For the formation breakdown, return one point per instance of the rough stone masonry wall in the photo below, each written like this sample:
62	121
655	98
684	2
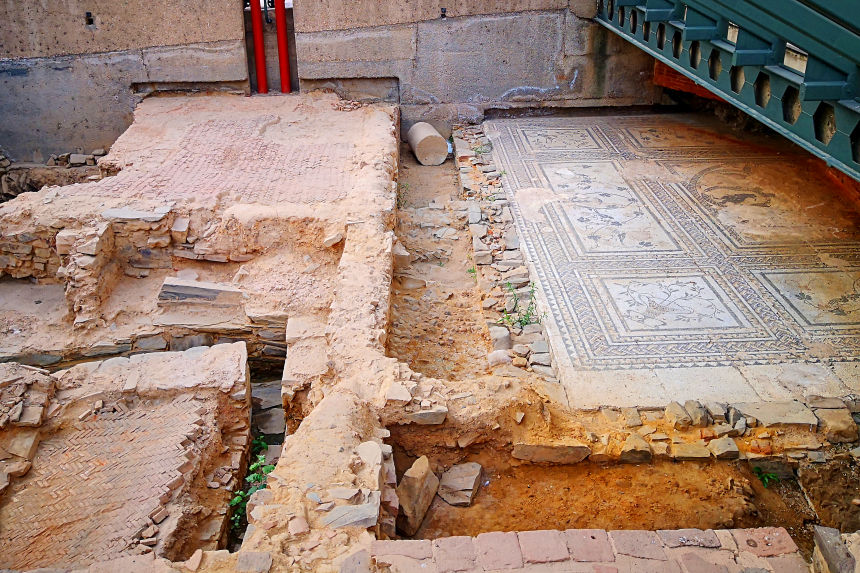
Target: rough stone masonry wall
482	55
70	84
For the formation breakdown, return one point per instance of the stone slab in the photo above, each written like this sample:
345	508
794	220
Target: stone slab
765	541
363	515
638	543
459	484
544	546
565	453
589	545
778	413
499	550
689	538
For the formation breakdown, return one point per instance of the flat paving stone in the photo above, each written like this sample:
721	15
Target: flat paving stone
638	543
598	551
454	554
764	541
689	538
414	548
543	546
589	545
658	274
499	550
778	413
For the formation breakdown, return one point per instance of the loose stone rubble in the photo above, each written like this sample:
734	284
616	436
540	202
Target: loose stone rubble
17	178
459	485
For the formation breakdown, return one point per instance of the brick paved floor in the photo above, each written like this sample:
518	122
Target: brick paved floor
93	484
125	440
598	551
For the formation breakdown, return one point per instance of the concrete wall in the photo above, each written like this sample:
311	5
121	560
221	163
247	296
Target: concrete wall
485	54
67	85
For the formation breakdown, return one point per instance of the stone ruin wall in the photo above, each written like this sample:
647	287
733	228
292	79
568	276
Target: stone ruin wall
90	257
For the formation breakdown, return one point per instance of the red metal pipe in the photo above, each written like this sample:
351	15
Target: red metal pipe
259	50
283	50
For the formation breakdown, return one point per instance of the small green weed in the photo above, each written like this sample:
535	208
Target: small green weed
256	480
472	271
519	315
402	190
766	478
482	149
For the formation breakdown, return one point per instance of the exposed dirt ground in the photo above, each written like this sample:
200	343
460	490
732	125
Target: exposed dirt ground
834	491
665	495
438	329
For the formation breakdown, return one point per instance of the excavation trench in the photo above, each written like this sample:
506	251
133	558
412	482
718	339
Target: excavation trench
514	495
440	315
436	322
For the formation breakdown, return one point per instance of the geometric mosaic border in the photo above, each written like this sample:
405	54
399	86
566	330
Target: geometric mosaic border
663	241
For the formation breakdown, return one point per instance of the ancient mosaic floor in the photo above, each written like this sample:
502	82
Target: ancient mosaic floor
680	262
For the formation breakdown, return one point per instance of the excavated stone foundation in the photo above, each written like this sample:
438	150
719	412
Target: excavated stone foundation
288	228
123	456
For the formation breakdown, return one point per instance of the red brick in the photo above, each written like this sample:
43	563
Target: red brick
790	563
764	541
638	543
543	546
415	549
689	538
589	545
454	554
627	564
498	550
693	563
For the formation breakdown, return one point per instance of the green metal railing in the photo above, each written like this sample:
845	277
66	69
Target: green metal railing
792	64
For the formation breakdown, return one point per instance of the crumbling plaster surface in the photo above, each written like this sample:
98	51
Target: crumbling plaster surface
481	56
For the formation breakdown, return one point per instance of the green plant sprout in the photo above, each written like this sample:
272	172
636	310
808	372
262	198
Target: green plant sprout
255	480
518	315
402	189
766	478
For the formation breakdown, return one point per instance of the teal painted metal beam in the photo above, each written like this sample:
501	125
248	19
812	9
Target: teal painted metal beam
737	50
